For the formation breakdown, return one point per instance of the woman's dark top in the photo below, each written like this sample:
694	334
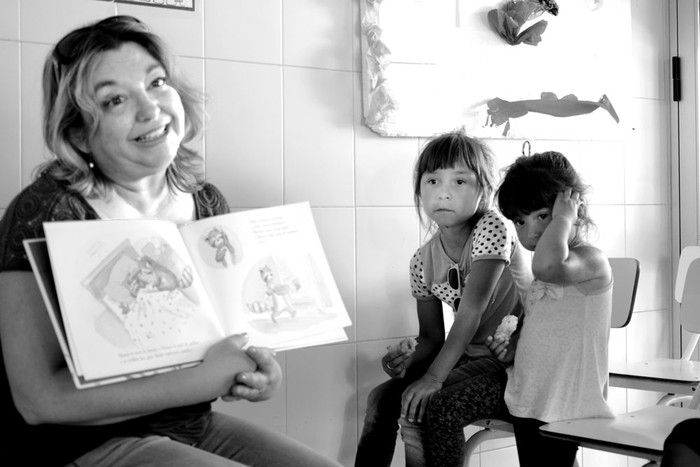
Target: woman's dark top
49	200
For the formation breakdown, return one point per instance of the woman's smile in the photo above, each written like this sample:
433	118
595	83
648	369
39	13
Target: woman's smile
154	135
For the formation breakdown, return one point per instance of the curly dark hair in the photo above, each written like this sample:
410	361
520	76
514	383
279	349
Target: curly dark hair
533	182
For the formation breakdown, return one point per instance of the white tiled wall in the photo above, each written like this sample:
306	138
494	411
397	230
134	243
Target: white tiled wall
284	104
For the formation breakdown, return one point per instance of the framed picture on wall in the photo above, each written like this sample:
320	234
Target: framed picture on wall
177	4
430	67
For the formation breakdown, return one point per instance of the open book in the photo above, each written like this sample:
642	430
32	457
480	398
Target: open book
129	298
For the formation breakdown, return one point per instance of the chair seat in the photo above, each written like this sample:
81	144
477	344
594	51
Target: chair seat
671	375
637	434
494	424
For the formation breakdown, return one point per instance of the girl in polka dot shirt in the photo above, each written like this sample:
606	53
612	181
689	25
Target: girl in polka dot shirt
472	263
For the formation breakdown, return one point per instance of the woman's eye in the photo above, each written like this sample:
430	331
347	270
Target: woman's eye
113	101
159	82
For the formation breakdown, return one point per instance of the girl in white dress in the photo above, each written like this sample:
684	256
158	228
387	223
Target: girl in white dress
560	369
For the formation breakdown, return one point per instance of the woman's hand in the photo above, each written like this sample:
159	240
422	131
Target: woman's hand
415	398
220	361
259	384
502	349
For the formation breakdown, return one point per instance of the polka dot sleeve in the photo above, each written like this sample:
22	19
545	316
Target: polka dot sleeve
493	238
419	287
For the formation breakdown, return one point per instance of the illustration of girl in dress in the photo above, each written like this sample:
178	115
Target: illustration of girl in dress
159	308
144	294
152	276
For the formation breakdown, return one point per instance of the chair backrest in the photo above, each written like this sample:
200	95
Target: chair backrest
625	273
688	255
690	302
687	293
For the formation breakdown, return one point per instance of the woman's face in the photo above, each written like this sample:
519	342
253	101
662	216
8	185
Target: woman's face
141	119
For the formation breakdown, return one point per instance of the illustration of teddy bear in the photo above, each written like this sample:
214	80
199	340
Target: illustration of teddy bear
279	293
218	240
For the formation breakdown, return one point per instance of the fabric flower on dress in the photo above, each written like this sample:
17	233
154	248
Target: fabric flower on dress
539	290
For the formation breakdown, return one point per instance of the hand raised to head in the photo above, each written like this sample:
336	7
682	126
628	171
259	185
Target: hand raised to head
566	205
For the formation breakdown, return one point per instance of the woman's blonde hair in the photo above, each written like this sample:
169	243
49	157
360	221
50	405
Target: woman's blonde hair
71	112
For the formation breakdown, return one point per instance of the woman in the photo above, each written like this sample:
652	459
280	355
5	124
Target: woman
117	118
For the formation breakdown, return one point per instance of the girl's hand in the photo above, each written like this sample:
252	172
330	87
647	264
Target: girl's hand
396	361
416	397
566	205
501	349
260	384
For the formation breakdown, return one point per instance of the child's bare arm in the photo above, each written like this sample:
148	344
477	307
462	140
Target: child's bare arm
476	295
554	261
552	258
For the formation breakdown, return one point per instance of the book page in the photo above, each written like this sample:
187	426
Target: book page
38	255
130	298
267	275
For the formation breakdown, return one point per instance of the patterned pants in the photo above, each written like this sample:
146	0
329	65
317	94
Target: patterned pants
474	390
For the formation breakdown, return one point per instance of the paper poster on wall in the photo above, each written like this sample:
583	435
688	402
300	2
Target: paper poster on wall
430	67
177	4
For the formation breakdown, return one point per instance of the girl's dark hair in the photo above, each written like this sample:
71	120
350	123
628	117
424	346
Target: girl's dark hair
71	111
449	149
533	182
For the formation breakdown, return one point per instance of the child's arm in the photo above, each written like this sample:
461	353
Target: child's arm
431	336
554	262
477	292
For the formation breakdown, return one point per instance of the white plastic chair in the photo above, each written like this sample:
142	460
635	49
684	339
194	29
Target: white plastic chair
637	434
677	377
642	433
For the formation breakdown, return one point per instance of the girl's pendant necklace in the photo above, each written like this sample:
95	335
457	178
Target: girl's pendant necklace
453	244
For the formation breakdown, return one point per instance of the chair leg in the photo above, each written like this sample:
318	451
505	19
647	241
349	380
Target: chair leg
477	438
670	399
